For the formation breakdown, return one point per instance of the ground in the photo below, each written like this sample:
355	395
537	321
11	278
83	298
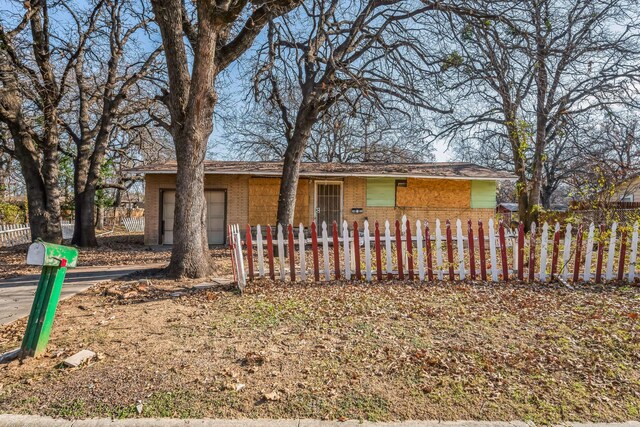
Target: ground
388	351
117	248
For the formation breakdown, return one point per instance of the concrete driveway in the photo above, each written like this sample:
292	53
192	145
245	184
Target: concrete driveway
16	294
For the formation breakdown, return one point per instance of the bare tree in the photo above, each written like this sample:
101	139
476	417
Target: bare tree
34	78
329	52
108	72
608	160
198	45
524	79
341	135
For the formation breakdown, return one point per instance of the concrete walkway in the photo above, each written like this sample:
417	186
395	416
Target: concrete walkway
16	294
34	421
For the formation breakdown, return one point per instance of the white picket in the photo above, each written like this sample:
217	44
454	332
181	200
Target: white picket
634	253
566	253
367	251
439	250
242	278
303	264
420	251
589	254
346	245
544	242
611	251
387	246
281	252
492	251
460	249
260	251
325	250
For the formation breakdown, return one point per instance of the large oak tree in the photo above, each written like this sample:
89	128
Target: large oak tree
198	45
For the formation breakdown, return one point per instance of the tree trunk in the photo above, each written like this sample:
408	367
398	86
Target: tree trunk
190	252
100	217
43	210
84	233
291	167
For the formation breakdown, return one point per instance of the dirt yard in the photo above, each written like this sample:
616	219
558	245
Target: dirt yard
378	352
120	248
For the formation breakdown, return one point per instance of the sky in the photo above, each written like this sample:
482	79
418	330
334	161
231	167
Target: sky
234	86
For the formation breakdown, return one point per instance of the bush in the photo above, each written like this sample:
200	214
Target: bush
11	213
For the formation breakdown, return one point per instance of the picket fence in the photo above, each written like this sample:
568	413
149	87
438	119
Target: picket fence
133	225
541	255
14	234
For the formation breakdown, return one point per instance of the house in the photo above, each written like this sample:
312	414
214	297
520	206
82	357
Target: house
247	193
507	211
628	191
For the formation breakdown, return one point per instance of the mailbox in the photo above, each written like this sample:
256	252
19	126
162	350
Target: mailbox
54	259
51	255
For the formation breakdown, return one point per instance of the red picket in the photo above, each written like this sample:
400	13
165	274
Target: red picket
483	260
427	245
233	256
450	251
249	251
503	252
378	253
576	267
314	249
292	253
521	251
272	273
532	255
600	254
556	252
336	250
623	254
409	251
472	251
356	250
399	251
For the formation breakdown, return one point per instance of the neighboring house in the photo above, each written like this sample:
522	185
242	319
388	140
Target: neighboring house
628	191
507	212
247	193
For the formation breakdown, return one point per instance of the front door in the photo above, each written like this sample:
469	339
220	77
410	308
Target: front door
328	203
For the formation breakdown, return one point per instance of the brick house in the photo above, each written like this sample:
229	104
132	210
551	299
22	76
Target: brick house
247	192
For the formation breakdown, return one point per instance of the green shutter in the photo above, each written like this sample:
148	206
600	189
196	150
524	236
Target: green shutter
483	194
381	192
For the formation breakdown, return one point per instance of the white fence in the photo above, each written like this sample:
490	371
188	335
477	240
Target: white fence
133	225
14	234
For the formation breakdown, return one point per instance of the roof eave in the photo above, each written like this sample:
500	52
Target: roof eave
335	175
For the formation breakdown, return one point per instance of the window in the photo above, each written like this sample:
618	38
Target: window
381	192
483	194
628	198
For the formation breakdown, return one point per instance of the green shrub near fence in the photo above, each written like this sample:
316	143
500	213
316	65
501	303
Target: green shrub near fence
11	213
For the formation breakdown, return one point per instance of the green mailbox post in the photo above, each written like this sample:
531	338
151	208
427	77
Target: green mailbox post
54	259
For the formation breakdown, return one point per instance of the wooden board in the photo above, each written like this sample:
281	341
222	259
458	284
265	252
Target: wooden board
263	201
434	193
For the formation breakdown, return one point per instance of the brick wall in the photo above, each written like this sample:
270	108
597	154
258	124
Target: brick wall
354	196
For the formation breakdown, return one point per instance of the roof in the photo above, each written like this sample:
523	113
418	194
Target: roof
449	170
513	207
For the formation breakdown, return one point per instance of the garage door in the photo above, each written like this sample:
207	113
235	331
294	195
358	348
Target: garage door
215	216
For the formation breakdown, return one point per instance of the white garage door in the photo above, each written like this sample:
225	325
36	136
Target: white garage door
215	216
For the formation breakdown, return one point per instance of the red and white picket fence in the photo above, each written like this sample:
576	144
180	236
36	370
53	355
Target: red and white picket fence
404	250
